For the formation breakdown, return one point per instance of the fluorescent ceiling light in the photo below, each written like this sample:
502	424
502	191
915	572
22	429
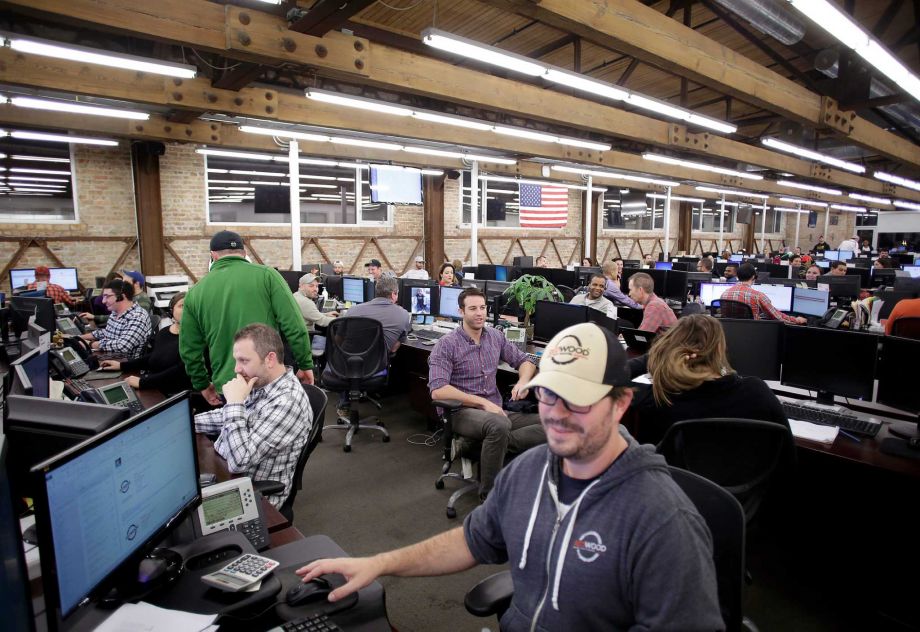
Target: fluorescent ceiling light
50	172
77	108
432	172
64	138
39	158
826	15
616	176
782	209
803	202
524	133
283	133
812	155
457	121
360	142
481	52
870	198
733	192
24	190
887	177
236	154
541	182
460	155
244	172
850	209
809	187
38	179
700	165
905	204
585	84
675	198
356	102
71	52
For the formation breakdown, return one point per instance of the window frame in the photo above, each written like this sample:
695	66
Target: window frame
37	219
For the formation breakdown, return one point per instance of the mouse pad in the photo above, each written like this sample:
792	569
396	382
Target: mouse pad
289	578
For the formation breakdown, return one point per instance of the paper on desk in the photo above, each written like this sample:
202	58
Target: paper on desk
813	432
143	617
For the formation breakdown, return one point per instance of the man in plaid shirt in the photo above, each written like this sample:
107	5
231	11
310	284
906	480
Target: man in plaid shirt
265	423
759	302
656	315
52	290
128	328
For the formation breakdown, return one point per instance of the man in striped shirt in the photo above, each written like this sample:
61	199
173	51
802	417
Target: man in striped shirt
463	366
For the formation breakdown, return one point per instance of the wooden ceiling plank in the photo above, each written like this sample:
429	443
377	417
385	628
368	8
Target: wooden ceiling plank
328	15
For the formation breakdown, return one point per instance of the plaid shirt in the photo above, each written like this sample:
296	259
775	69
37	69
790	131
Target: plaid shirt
656	315
263	436
125	334
471	368
55	292
759	302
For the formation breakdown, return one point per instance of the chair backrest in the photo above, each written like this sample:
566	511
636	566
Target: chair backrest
692	308
725	519
907	327
567	293
735	309
355	348
318	402
741	455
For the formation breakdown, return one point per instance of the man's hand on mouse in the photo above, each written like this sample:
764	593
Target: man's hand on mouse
358	571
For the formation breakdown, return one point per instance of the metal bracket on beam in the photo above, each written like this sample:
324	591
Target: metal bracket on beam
820	172
264	102
679	136
731	181
197	131
833	118
891	190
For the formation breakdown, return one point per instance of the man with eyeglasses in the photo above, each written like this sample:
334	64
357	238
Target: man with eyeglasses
598	534
128	327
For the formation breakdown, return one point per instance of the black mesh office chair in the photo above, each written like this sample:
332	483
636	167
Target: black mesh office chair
318	402
356	361
725	519
456	450
907	327
567	293
744	456
734	309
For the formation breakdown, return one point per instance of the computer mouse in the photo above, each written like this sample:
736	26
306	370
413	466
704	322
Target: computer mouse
150	569
914	443
317	589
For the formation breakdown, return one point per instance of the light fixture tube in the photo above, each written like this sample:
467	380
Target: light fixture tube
77	108
804	202
520	132
480	52
38	158
64	138
446	119
760	196
618	176
905	204
870	198
356	102
812	155
585	84
283	133
850	209
50	172
700	165
898	180
808	187
236	154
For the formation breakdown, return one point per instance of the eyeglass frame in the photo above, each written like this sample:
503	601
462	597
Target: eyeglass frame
540	391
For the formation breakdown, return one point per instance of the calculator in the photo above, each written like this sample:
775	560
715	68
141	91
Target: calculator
241	573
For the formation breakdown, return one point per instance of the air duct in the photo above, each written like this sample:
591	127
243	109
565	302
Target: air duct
770	17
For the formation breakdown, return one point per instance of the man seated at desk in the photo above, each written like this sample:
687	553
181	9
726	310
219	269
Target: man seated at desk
760	304
306	301
656	315
264	425
128	327
597	533
52	290
594	298
463	366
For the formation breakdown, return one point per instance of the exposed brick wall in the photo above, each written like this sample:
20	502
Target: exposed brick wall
808	237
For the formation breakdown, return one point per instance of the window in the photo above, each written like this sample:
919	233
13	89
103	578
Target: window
706	218
37	183
632	209
242	191
774	223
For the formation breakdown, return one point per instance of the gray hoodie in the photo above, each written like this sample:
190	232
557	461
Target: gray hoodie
631	553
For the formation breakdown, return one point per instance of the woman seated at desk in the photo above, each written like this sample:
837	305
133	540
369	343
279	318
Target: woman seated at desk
162	368
691	379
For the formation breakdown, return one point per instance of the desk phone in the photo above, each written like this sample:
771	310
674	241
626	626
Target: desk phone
68	363
517	336
116	394
68	326
232	505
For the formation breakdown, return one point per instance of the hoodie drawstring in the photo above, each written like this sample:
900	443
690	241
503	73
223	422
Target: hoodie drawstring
533	517
563	548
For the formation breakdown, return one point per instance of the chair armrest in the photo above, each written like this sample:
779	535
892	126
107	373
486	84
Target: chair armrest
268	488
491	596
449	405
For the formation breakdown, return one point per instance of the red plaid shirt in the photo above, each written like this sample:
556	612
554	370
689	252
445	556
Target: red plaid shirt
55	292
656	315
759	302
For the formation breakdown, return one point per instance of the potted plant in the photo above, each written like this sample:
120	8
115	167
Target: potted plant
526	291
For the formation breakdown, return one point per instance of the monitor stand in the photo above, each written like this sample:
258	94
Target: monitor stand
825	398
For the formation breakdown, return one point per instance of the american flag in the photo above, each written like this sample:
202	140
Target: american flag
543	206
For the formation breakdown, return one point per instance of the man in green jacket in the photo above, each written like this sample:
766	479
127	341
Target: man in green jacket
236	293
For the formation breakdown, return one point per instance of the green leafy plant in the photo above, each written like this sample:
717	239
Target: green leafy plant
527	290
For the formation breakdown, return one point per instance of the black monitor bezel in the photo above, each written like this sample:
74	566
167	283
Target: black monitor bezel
764	370
363	287
539	327
866	364
45	535
882	394
15	536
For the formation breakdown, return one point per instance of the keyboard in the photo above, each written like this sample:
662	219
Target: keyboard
429	334
314	623
844	420
80	385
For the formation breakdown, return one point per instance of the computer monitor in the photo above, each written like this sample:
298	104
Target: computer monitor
65	277
913	271
824	265
15	593
333	285
753	346
736	258
485	271
779	295
551	317
883	276
132	485
658	276
39	428
31	369
353	289
292	278
845	255
841	286
676	285
710	292
809	302
831	255
466	282
522	262
502	272
419	297
663	265
448	304
854	377
584	273
42	308
897	383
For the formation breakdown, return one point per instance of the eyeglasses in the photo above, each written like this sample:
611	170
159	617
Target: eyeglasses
548	397
105	296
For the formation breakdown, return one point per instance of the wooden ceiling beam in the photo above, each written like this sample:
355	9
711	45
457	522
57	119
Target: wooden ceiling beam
328	15
649	35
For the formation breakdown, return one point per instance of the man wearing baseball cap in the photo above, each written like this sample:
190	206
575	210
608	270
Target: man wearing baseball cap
374	269
598	535
236	293
419	271
136	278
52	290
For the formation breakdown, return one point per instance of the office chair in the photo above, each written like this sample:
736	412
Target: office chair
456	448
744	456
567	293
318	402
734	309
725	519
907	327
356	361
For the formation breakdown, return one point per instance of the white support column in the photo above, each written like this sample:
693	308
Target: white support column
294	171
721	223
667	225
589	217
798	220
763	226
827	220
474	213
